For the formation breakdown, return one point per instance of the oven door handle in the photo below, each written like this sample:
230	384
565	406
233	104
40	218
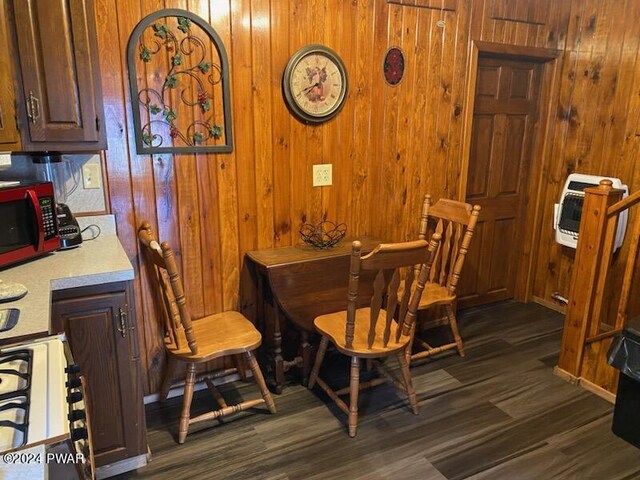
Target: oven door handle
39	221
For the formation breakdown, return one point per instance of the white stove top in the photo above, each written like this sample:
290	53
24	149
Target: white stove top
48	409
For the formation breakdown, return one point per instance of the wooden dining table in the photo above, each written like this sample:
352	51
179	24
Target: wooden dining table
297	283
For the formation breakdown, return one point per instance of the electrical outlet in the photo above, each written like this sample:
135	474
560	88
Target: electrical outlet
322	175
91	176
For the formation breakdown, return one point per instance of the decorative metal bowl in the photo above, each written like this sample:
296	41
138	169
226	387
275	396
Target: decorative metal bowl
323	235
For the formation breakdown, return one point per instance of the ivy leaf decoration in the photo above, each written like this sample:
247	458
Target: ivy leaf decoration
205	106
169	115
160	30
145	54
204	67
171	81
155	109
184	24
176	59
216	131
147	138
198	137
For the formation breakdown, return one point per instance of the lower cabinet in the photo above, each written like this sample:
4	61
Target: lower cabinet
100	325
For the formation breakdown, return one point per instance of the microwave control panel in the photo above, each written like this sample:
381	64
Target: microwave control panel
48	217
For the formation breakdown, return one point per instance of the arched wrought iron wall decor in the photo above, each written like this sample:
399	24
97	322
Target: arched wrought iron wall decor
179	82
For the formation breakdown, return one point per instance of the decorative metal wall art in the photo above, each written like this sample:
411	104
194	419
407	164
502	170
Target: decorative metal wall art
393	66
179	81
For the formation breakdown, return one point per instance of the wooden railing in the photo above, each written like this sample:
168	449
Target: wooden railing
589	327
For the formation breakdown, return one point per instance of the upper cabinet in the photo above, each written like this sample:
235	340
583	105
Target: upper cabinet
9	136
59	94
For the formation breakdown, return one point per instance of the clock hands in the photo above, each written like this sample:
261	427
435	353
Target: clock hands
310	87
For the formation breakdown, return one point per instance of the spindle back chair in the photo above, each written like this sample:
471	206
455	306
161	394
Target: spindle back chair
455	222
194	341
375	331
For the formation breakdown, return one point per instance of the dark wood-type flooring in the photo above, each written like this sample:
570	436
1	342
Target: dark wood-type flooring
500	412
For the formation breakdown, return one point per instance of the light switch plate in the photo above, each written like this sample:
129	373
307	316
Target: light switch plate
91	176
322	175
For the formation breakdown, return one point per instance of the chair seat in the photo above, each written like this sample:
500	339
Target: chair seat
433	294
333	325
226	333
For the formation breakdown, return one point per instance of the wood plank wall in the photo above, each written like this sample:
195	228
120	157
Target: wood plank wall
389	146
596	124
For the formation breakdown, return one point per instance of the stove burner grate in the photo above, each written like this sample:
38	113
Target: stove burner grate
13	397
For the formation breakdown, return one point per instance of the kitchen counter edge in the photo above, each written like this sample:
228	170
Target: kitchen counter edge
95	262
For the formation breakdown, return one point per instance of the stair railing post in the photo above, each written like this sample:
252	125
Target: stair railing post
590	268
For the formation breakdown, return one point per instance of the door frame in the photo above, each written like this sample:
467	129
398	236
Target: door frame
540	154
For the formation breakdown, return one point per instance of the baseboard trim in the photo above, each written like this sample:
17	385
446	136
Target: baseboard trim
601	392
126	465
546	303
586	384
178	390
566	376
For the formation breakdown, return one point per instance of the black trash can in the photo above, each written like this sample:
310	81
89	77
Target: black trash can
624	355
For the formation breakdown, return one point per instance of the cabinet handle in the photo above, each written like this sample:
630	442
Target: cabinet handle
123	321
33	108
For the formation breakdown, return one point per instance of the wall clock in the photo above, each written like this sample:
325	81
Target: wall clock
315	84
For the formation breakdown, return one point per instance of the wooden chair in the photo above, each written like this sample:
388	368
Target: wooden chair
372	332
455	222
199	340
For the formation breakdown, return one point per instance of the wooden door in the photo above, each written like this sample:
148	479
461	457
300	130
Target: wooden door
98	325
505	112
9	136
61	105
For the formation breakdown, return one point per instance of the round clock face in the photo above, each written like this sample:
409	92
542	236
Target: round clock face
315	83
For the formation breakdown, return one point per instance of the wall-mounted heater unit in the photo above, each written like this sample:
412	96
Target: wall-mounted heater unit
567	213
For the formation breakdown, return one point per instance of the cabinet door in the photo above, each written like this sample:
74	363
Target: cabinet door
62	101
100	337
9	136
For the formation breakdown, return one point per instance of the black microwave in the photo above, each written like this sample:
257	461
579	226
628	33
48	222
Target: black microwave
29	225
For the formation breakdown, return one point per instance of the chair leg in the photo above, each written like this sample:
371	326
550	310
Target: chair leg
354	388
186	402
410	344
406	375
322	349
172	364
240	364
454	328
257	374
369	364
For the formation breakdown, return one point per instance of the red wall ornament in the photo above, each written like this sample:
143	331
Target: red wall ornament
393	66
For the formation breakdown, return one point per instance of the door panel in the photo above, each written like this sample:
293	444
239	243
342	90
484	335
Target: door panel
9	136
488	81
512	158
503	234
520	83
504	117
478	184
61	98
101	347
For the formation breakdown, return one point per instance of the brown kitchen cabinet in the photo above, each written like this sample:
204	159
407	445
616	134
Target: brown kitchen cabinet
100	325
9	135
59	93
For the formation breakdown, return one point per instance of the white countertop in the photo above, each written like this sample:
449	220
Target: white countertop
94	262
